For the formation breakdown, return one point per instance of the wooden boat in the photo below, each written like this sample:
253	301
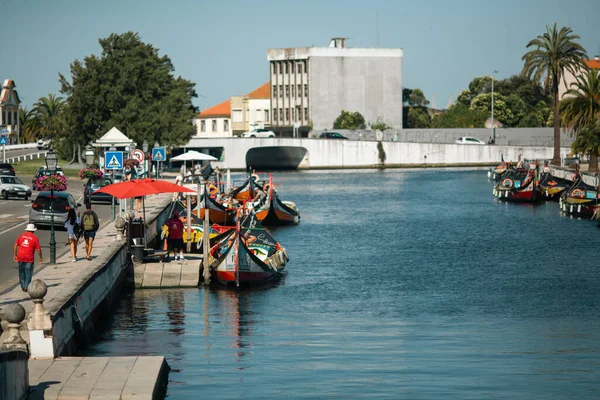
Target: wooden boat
247	255
553	187
497	170
218	213
516	188
275	211
244	192
580	199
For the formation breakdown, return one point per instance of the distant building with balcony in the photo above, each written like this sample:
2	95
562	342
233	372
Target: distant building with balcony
569	78
251	111
310	86
9	110
214	121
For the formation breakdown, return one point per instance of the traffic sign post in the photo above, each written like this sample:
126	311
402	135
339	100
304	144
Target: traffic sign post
159	154
113	160
3	142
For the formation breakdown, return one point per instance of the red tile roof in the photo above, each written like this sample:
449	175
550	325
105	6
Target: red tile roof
220	110
263	92
595	64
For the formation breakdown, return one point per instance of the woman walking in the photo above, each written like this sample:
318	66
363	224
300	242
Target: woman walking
73	226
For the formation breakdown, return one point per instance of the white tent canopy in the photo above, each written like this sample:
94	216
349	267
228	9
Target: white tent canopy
193	155
113	137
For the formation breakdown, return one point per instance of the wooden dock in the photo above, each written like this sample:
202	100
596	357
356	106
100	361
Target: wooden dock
106	378
168	274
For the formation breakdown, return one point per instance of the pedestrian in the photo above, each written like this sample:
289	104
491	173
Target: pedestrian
175	239
23	253
89	225
73	226
127	172
179	182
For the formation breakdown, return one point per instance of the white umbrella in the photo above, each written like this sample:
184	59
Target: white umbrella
193	155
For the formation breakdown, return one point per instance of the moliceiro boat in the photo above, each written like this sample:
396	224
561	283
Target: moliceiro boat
580	199
247	255
518	188
553	187
274	211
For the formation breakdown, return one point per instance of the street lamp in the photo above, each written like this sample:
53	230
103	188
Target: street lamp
89	155
51	164
493	128
145	147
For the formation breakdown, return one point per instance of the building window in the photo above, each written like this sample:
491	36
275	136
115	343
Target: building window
237	115
226	125
299	68
286	68
203	126
9	122
281	114
305	90
299	113
293	114
275	114
280	90
287	90
299	90
266	115
292	67
214	125
287	114
306	113
274	90
293	91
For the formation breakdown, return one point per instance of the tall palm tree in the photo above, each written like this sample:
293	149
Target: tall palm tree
581	103
588	143
31	130
48	110
554	53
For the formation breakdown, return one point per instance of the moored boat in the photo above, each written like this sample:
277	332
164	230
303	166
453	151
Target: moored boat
553	187
275	211
518	188
580	199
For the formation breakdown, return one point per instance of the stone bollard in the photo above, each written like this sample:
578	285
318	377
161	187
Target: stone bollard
40	323
120	225
14	314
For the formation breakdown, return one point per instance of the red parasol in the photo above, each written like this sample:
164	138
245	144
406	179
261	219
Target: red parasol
142	187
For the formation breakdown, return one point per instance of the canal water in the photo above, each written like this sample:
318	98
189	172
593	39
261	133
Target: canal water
401	284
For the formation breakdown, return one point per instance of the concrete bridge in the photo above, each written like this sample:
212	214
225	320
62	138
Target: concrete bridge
309	153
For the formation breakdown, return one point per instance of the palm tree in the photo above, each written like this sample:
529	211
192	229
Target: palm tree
588	143
581	104
31	130
555	52
48	110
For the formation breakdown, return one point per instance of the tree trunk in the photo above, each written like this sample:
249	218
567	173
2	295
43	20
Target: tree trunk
556	157
79	154
73	158
593	167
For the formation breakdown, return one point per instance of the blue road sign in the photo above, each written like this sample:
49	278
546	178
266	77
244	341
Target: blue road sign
3	140
113	160
159	154
3	132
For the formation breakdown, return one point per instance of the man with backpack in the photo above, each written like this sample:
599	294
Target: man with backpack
89	225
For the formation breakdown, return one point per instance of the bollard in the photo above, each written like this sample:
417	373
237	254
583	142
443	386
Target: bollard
120	225
40	323
14	314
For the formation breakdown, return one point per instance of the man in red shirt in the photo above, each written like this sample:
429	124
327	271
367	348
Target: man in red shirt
25	246
175	239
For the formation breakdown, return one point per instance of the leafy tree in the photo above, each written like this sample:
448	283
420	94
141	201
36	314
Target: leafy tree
460	116
31	129
554	52
48	112
588	142
483	104
380	125
131	87
418	117
406	92
479	85
418	99
349	120
581	104
465	97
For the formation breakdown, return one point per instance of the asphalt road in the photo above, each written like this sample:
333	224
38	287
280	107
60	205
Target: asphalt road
20	152
14	216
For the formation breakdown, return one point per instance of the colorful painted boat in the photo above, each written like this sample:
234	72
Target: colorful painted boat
517	188
553	187
244	192
275	211
218	213
580	199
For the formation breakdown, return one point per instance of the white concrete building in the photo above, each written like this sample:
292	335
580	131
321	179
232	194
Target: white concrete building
9	110
252	110
214	121
312	85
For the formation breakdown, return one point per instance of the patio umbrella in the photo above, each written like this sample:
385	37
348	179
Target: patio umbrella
193	155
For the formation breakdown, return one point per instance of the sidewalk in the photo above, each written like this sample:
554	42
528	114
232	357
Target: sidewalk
65	277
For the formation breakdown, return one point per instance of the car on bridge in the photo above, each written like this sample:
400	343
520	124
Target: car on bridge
92	185
11	186
469	140
46	205
332	135
259	133
43	144
7	169
44	171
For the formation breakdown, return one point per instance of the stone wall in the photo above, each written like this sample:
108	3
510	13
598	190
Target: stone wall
14	375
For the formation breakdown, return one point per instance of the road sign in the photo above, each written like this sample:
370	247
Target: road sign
3	132
139	155
113	160
3	140
159	154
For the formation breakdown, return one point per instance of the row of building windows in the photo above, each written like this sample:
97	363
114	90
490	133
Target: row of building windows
9	118
296	114
214	125
260	115
287	90
286	67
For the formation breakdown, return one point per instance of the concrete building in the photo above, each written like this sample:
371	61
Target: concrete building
569	78
9	110
214	121
310	86
252	110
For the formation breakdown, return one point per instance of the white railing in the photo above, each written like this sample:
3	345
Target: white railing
21	146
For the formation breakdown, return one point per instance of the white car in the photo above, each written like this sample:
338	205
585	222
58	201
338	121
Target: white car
11	186
469	140
262	133
43	144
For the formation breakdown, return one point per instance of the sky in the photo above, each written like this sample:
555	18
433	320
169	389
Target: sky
222	45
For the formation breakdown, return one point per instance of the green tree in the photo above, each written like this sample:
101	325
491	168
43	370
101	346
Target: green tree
465	97
553	53
460	116
406	92
479	85
31	129
587	142
349	120
418	117
48	110
482	103
380	125
418	99
131	87
581	104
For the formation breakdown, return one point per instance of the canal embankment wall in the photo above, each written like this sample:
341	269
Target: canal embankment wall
14	375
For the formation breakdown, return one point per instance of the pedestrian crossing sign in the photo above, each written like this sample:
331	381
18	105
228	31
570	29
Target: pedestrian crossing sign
159	154
3	140
113	160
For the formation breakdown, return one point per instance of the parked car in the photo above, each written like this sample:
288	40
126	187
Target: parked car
261	133
6	169
11	186
94	184
44	171
45	205
332	135
43	144
469	140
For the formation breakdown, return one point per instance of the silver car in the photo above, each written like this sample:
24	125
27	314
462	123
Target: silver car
47	204
11	186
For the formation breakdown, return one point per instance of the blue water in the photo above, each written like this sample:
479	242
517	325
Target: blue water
401	284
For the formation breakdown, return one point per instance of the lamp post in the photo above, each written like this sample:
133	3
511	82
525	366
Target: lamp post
51	164
89	155
145	146
157	145
493	128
